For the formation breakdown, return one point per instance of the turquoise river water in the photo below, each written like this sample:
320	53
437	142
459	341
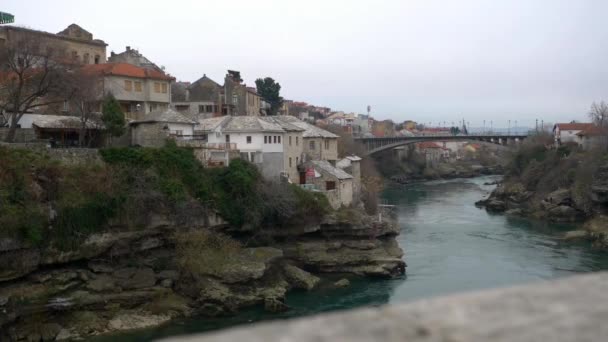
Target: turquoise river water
450	246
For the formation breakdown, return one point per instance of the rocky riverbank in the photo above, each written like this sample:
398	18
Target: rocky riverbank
142	236
558	186
129	280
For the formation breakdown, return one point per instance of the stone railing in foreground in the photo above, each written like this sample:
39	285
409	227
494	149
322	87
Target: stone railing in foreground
569	309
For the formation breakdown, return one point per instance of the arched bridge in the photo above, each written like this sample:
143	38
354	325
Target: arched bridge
375	145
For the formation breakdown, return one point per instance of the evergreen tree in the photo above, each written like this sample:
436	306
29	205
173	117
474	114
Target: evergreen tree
269	90
113	117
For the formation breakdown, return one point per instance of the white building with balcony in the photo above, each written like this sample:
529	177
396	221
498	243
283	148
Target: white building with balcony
274	146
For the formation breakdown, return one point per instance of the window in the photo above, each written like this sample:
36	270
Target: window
297	160
235	99
279	139
137	86
74	55
249	139
289	161
215	107
290	140
297	141
164	87
128	85
330	185
209	108
156	87
311	145
179	132
265	139
227	138
327	144
201	108
96	59
275	139
66	106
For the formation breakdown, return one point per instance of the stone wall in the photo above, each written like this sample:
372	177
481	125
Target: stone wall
569	309
21	134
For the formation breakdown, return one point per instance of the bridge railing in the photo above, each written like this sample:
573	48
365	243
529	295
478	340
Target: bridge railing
451	136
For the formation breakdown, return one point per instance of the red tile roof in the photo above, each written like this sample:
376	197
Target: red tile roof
593	131
128	70
573	126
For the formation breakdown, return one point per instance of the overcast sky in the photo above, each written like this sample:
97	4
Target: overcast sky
424	60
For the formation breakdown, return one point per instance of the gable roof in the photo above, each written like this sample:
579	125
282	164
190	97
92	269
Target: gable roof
573	126
310	131
325	166
164	115
127	70
289	127
347	161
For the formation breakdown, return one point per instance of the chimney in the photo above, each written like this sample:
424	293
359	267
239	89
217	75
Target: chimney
112	54
128	48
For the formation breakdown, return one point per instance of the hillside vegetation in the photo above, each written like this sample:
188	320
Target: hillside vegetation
43	201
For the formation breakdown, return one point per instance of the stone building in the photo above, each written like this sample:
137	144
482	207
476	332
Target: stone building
238	99
352	166
335	183
319	144
264	141
138	90
156	127
198	100
74	43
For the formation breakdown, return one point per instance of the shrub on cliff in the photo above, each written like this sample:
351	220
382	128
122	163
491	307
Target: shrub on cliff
203	252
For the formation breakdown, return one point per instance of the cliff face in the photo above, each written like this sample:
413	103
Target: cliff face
125	280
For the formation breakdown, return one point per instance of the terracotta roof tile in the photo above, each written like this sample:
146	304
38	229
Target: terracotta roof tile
573	126
128	70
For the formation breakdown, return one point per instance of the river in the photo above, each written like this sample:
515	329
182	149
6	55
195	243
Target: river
450	246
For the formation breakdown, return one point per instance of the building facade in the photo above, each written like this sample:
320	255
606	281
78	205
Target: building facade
567	132
201	99
261	140
159	125
335	183
319	144
138	90
74	44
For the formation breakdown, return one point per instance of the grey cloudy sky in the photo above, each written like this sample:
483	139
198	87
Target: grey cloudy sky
425	60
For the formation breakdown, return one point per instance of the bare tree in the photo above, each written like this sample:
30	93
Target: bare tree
85	95
31	77
599	113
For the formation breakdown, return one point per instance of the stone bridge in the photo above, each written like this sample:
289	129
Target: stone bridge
375	145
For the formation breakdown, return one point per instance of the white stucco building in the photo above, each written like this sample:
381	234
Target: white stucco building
568	132
267	142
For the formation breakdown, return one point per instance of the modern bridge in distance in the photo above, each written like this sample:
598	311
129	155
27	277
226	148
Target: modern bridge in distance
375	145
